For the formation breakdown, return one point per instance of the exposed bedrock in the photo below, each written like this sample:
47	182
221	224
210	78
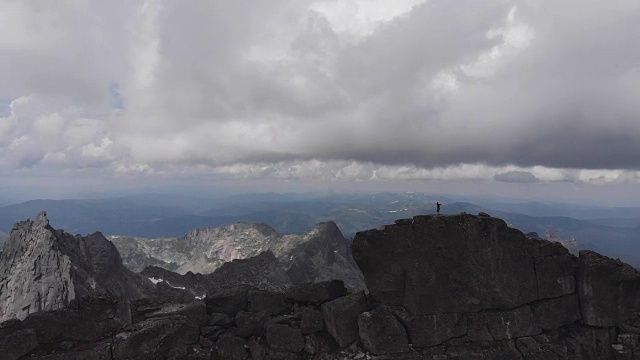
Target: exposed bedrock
459	280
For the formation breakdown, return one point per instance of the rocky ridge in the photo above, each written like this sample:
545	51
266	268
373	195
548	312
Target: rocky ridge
446	287
466	286
42	268
321	254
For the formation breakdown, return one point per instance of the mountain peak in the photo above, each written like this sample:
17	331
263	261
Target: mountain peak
329	228
45	269
41	220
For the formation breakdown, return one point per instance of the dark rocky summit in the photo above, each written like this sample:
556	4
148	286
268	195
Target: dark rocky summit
440	288
468	286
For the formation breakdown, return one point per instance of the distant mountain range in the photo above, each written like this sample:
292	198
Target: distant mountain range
614	231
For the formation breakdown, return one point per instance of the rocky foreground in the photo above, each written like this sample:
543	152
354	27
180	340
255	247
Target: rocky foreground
446	287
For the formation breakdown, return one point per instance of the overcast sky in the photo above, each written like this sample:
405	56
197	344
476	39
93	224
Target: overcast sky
539	98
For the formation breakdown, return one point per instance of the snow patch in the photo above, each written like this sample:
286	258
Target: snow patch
176	287
155	281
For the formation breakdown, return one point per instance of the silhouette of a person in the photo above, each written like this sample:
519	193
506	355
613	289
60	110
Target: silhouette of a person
438	208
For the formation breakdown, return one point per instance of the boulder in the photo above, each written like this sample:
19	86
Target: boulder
251	323
316	293
232	348
226	301
17	344
341	317
257	350
195	311
381	333
88	351
609	290
219	319
448	264
311	321
498	350
155	338
263	300
207	331
90	324
285	338
629	341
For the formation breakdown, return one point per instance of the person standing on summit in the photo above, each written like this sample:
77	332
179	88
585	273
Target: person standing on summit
438	208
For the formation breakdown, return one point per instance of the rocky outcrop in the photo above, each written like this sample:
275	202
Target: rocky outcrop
468	286
321	254
562	307
3	238
218	328
45	269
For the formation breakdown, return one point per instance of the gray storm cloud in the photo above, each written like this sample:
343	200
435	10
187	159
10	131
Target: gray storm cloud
516	177
213	83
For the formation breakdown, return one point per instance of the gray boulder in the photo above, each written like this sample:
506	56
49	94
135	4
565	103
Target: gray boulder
341	317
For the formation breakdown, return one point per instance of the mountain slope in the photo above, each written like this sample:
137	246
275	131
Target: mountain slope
42	268
318	255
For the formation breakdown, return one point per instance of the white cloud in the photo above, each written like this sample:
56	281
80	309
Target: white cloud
334	90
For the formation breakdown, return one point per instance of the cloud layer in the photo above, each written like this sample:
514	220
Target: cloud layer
516	91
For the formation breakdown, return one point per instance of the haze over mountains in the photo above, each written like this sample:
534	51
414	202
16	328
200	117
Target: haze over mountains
614	231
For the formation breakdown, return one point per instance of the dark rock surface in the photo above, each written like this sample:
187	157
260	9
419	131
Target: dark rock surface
410	265
311	321
432	330
259	272
608	290
18	343
561	307
284	338
468	287
264	300
341	317
381	332
316	293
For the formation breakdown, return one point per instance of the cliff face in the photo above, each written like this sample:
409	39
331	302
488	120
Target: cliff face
45	269
471	285
321	254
